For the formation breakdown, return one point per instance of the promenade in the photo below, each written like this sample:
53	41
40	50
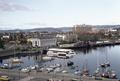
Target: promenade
33	76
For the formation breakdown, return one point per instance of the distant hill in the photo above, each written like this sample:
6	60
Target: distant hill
107	26
49	29
59	29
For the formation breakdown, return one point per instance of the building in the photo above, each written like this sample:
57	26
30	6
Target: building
47	42
82	29
69	37
61	37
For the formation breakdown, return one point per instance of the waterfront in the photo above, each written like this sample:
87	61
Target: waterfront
83	56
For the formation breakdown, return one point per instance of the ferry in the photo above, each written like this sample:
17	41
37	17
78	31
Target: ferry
61	53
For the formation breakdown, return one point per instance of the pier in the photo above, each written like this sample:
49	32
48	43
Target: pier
88	45
42	75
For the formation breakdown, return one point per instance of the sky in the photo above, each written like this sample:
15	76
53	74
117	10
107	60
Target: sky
25	14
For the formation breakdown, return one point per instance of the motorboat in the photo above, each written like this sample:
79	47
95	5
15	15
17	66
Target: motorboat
55	66
58	65
25	70
47	58
70	63
32	67
64	71
40	69
57	70
49	69
4	78
77	72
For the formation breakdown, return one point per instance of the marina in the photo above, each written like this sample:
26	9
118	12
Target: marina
86	61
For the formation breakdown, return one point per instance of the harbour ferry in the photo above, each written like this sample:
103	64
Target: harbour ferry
61	53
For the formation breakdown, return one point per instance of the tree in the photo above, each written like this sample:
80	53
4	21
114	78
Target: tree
2	44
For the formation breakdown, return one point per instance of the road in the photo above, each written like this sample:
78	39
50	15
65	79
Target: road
43	76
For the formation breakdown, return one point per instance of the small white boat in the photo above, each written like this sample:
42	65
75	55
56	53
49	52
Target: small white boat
58	65
25	70
49	69
53	66
64	71
32	67
57	70
77	72
47	58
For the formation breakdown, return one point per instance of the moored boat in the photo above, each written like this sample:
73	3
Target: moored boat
63	53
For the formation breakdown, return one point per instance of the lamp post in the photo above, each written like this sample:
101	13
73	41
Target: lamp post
81	76
19	73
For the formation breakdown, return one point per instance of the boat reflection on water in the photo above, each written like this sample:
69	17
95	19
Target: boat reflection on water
16	60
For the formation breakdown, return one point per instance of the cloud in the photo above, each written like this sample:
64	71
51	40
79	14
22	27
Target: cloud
7	5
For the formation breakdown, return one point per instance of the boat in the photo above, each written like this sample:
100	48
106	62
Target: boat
64	71
4	78
70	63
49	69
63	53
105	70
57	70
47	58
32	67
109	74
25	70
77	72
40	69
85	71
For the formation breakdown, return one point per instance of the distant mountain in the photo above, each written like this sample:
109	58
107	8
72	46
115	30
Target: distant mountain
59	29
107	26
49	29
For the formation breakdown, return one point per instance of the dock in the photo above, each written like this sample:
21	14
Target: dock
88	45
43	75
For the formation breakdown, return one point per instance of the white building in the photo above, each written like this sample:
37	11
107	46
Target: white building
47	42
61	37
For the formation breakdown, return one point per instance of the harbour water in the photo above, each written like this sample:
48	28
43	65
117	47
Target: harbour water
90	57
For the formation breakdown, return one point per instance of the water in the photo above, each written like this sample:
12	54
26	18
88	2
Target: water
84	56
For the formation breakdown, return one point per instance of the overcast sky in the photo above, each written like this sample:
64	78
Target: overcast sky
57	13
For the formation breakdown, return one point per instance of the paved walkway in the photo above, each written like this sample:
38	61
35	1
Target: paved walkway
27	78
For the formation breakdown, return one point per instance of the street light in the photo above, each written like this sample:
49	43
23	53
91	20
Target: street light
19	73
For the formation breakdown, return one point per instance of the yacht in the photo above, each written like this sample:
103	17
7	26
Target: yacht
61	53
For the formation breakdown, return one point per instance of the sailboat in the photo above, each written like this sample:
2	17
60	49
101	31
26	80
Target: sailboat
105	71
97	71
85	71
108	72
